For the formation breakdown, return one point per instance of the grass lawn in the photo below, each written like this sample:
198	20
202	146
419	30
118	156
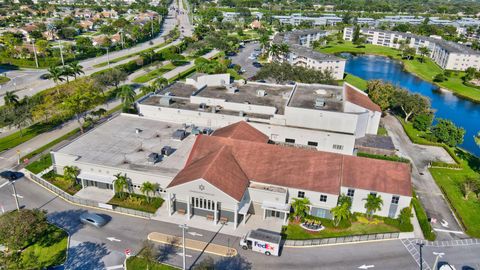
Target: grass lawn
294	232
235	74
154	73
356	81
51	144
61	183
118	59
425	70
382	131
468	211
41	164
137	202
17	138
4	79
49	250
138	263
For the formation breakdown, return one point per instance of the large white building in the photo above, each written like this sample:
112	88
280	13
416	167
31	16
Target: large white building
447	54
301	53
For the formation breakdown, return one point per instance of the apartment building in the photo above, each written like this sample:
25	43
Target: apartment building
299	42
447	54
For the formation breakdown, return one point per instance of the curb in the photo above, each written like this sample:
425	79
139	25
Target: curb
339	244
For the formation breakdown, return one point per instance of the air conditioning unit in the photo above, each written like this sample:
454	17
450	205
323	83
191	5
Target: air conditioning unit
231	89
319	103
261	93
202	106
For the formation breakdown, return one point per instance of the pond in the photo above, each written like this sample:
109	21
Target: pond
462	112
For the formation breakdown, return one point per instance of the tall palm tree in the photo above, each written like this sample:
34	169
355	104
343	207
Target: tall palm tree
76	69
67	72
160	83
55	74
300	208
127	95
120	184
70	173
10	98
373	204
274	51
340	212
264	42
284	49
147	188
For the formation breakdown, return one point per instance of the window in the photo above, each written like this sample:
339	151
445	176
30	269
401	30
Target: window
323	198
301	194
287	140
395	199
313	143
338	147
350	192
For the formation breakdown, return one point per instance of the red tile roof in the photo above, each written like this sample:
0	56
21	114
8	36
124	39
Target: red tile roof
241	131
359	98
230	164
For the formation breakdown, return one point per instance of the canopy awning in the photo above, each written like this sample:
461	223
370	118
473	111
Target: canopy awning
97	178
282	207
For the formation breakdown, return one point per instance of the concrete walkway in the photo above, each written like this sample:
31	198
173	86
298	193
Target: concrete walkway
427	190
192	244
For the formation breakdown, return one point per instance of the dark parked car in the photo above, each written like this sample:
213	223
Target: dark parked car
257	64
11	175
93	219
45	76
231	54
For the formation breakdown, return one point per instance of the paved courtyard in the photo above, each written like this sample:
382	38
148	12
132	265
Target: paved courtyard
95	194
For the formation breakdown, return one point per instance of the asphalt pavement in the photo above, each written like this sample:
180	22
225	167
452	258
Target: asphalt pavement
242	59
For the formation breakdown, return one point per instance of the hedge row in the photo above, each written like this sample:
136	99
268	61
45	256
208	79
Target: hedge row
441	164
423	220
390	158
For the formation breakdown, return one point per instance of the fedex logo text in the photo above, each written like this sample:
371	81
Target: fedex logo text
264	246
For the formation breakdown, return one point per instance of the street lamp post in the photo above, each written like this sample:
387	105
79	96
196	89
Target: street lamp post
61	52
421	259
35	52
184	227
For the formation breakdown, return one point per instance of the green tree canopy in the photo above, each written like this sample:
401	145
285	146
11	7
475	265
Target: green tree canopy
445	131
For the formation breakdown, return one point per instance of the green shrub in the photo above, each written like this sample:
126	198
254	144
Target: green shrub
423	220
423	121
440	78
383	157
441	164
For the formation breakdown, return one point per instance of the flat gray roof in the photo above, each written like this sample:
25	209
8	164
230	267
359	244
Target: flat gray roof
116	143
305	96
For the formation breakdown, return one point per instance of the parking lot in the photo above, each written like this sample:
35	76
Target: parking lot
242	59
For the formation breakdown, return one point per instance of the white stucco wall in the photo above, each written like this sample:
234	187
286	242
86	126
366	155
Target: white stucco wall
322	120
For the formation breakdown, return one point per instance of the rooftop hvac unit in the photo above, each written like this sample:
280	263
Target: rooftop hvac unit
154	158
339	97
241	113
167	150
137	130
165	101
179	134
202	106
232	89
261	93
214	109
319	103
169	94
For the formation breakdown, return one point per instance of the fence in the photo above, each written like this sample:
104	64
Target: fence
341	240
85	202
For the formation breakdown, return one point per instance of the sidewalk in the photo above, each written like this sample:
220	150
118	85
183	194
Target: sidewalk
192	244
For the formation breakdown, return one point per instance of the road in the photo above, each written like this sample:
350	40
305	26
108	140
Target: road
242	59
27	82
90	248
427	190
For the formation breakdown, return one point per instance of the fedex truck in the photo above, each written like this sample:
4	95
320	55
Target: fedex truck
263	241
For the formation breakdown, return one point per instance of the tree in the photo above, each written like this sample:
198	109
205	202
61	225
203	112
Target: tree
469	187
356	38
147	188
160	83
470	73
10	98
76	69
423	121
120	184
149	253
373	204
410	104
340	212
264	42
409	52
112	77
300	207
127	96
440	77
99	113
84	98
206	264
70	174
423	51
20	228
55	74
380	93
445	131
23	115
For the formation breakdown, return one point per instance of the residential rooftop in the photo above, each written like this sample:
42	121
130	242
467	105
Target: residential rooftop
317	97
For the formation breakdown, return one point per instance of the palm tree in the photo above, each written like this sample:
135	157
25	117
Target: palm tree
10	98
148	187
274	51
340	212
76	69
300	208
120	184
70	174
67	72
264	42
160	83
373	203
147	89
55	74
127	95
284	50
423	51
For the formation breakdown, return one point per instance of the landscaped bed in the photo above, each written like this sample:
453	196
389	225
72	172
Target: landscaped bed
41	164
154	73
139	263
60	182
362	226
137	202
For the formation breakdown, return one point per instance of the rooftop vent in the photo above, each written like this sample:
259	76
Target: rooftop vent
321	92
167	150
261	93
241	113
214	109
165	101
232	89
137	131
179	134
319	103
202	106
154	158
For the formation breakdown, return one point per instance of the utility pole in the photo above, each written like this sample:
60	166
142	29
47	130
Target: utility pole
151	23
108	58
16	196
421	259
35	52
61	52
184	227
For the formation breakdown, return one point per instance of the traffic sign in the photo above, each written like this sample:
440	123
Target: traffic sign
128	252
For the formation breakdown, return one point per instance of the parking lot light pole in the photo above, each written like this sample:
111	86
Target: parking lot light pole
184	227
420	245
